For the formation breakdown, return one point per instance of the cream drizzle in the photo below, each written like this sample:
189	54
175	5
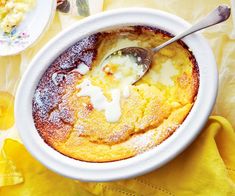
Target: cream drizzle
82	68
99	101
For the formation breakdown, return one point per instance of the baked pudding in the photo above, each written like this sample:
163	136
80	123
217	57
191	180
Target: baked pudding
87	108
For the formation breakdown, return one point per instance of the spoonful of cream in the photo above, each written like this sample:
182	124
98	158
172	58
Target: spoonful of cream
141	58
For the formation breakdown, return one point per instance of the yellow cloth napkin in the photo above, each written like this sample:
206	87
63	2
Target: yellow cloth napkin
207	167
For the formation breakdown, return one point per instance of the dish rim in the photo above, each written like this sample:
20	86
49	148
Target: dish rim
148	160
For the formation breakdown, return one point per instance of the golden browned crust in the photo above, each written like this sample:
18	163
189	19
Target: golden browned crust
152	112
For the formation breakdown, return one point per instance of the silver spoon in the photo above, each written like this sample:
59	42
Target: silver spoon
218	15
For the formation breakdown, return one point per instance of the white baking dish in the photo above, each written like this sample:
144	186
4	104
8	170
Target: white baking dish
142	163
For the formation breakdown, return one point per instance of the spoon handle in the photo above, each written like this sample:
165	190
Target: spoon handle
218	15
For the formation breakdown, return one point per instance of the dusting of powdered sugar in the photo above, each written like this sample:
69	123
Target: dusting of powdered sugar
37	98
142	142
55	116
80	129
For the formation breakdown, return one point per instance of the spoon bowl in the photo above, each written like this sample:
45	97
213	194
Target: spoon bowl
142	56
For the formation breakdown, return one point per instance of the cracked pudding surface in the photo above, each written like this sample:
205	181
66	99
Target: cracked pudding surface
74	99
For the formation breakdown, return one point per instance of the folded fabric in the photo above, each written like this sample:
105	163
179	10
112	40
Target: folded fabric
21	174
207	167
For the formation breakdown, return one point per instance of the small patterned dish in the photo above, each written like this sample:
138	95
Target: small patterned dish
29	30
